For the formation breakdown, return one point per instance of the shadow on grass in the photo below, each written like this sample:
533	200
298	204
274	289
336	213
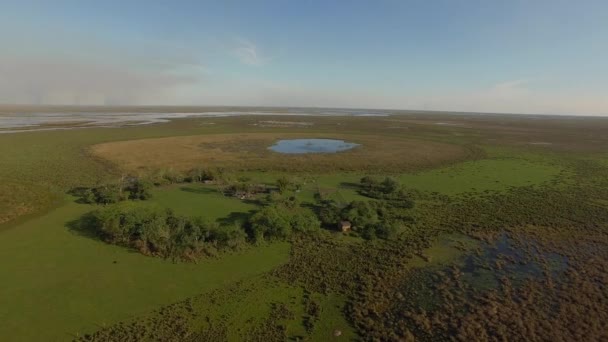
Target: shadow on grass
350	185
255	201
79	193
84	226
199	190
236	217
312	206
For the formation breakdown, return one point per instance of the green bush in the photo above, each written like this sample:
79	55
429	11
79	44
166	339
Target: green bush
160	232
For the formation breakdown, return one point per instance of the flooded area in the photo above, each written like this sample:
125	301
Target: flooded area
16	122
300	146
506	257
464	267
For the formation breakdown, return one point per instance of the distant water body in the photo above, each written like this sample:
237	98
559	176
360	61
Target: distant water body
41	121
300	146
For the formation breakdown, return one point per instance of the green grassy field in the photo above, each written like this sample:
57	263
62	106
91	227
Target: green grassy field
494	174
200	200
482	175
57	284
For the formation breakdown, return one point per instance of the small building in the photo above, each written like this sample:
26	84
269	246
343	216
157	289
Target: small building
344	226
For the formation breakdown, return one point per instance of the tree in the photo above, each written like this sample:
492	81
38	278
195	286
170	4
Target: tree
139	189
196	175
368	231
368	183
269	223
283	184
385	229
330	213
108	224
389	185
230	236
305	221
172	176
108	194
88	196
360	213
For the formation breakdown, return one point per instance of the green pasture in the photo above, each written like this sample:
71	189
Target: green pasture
57	283
482	175
201	200
494	174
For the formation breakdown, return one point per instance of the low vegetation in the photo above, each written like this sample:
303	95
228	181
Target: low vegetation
129	188
347	246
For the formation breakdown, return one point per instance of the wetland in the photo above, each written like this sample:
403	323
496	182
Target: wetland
192	229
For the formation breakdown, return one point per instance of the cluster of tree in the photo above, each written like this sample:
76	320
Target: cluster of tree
280	219
243	187
386	189
195	175
285	185
160	232
370	219
129	188
200	175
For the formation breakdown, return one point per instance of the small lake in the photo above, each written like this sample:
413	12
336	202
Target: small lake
300	146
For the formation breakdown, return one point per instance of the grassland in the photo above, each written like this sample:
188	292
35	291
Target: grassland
198	200
63	283
482	175
60	283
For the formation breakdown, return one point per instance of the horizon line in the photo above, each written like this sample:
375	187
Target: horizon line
6	106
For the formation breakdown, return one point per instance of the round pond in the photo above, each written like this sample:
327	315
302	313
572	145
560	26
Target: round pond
300	146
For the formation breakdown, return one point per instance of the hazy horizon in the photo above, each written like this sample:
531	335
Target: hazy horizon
542	57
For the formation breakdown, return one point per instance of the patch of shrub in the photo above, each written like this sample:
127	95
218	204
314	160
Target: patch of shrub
279	220
160	232
129	188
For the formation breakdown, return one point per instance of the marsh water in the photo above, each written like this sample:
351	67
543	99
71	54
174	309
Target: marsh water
301	146
23	121
477	266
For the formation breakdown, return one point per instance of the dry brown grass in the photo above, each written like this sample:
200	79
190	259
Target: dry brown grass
250	152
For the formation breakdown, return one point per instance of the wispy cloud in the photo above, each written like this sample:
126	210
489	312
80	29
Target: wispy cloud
249	53
512	85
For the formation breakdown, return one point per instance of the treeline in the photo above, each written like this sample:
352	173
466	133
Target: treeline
381	218
140	188
369	219
387	189
160	232
194	175
281	218
128	188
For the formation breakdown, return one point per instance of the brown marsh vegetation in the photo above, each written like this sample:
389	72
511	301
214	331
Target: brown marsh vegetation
250	152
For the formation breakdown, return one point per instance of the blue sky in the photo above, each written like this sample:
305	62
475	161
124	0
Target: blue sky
534	56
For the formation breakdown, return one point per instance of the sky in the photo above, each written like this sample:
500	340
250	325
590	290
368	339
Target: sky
530	56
